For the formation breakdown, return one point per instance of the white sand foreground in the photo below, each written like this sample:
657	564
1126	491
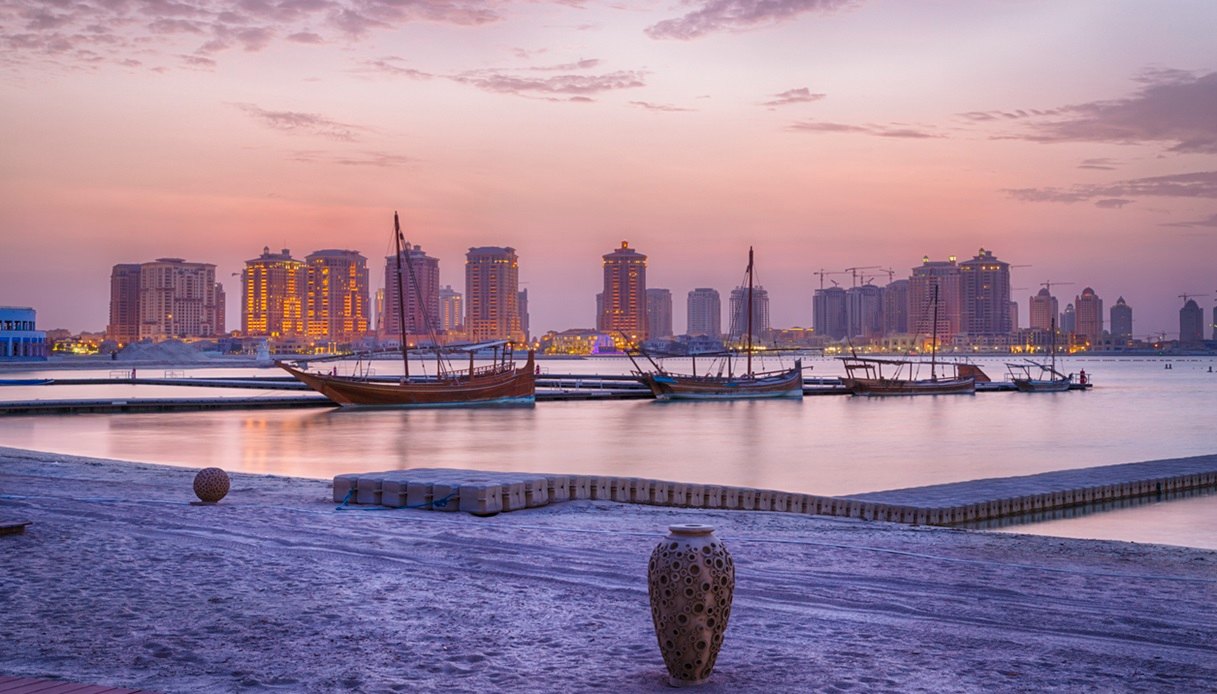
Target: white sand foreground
121	581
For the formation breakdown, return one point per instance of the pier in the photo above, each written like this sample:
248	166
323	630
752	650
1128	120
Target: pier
488	493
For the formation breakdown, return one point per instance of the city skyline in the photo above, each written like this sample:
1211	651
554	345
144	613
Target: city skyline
1077	139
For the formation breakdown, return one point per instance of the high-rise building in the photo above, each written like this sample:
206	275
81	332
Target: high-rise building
1069	320
418	296
1044	310
600	311
451	309
1121	320
1089	309
705	313
659	313
944	275
739	313
896	308
1191	324
828	313
864	311
273	285
1014	316
984	285
124	304
522	302
625	288
336	301
178	299
492	294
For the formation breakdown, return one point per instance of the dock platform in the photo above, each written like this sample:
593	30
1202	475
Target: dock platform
488	493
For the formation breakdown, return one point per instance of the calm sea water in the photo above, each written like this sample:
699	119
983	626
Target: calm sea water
1139	410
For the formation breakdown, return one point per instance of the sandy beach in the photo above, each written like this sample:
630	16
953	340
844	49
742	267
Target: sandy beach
121	581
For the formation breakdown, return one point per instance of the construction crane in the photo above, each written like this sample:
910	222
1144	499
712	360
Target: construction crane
1050	284
1185	296
854	271
823	273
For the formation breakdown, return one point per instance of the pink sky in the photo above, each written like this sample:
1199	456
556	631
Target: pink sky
1079	138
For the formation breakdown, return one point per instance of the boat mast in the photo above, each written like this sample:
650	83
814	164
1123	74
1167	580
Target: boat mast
401	299
749	343
934	340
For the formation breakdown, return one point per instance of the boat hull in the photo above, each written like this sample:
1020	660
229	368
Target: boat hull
787	384
510	386
1025	385
892	386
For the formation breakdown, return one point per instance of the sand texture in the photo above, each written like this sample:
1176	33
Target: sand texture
121	581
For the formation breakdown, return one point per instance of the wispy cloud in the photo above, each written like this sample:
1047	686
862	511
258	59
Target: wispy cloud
1099	164
303	123
896	130
1200	184
1172	107
572	85
713	16
1210	221
396	67
802	95
665	108
375	159
1113	203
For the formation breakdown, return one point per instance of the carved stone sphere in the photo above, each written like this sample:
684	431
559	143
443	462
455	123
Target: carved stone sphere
211	484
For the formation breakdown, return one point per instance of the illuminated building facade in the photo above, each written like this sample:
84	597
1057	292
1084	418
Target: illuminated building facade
492	294
1069	320
624	309
984	286
273	285
418	285
178	299
705	313
451	309
739	313
337	300
864	311
1088	308
19	340
123	327
659	313
943	274
1044	309
1121	320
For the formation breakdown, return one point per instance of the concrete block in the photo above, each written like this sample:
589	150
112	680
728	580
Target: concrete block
393	492
419	493
731	497
580	487
641	492
764	500
343	484
712	496
622	490
695	496
445	496
678	493
602	488
481	499
559	488
513	495
536	491
780	501
747	499
367	489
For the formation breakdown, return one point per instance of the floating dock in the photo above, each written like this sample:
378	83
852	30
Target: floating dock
488	493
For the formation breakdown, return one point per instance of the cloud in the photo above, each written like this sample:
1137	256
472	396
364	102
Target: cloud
1099	164
1172	107
802	95
895	130
574	85
666	108
393	65
712	16
1210	221
367	158
51	32
585	64
1200	184
1113	203
303	123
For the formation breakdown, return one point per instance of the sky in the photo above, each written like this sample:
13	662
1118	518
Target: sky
1076	140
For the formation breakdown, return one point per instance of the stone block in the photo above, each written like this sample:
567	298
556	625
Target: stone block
445	496
419	493
678	493
695	495
559	488
640	490
780	501
764	500
536	491
712	496
343	485
661	492
580	487
367	489
393	492
731	498
513	496
622	490
602	488
481	499
747	499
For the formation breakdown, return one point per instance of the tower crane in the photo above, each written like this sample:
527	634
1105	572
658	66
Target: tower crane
1185	296
854	271
823	273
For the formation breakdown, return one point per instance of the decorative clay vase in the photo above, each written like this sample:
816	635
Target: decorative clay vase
211	485
691	579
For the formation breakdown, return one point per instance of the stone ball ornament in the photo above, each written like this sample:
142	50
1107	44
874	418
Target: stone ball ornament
691	581
211	485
